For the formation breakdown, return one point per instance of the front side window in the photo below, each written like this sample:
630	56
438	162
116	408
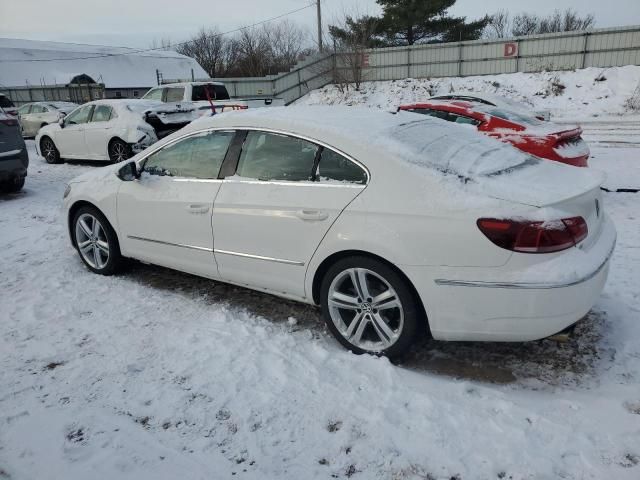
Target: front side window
198	156
81	115
153	94
102	113
174	94
38	109
333	167
270	156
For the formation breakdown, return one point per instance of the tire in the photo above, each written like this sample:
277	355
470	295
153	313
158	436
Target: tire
388	331
14	185
49	151
89	239
119	151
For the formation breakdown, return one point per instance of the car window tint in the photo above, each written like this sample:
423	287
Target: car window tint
24	109
102	113
269	156
334	167
81	115
37	109
199	156
174	94
464	119
154	94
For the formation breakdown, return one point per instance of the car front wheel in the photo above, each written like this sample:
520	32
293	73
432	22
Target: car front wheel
49	150
369	307
96	241
119	151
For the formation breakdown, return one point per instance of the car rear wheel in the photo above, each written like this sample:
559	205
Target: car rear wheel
96	241
369	307
13	186
49	150
119	151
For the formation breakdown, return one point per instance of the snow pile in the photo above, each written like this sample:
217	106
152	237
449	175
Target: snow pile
590	92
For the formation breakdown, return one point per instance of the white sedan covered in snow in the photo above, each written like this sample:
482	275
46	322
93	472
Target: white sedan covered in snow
111	130
393	223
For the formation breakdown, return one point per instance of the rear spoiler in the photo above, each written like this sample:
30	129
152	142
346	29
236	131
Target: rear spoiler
567	134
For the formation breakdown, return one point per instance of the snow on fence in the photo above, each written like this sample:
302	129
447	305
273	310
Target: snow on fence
609	47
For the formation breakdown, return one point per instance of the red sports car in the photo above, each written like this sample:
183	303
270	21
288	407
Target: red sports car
542	139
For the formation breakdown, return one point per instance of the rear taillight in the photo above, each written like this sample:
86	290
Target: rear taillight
534	237
8	121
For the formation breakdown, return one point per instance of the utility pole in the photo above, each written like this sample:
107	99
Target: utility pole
319	26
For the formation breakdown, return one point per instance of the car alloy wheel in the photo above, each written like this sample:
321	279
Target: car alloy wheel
92	241
365	309
118	151
49	151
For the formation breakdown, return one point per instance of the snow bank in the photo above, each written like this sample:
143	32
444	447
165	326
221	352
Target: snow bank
591	92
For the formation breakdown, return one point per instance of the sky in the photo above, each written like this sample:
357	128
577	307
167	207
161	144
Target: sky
137	23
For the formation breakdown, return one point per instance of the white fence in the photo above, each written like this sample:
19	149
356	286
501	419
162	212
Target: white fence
608	47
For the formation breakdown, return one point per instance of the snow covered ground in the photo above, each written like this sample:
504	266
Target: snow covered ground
155	374
584	95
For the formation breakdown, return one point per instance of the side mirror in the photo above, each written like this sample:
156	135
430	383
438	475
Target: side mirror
128	172
61	122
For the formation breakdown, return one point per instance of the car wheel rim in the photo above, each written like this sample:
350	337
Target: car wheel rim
49	151
118	152
365	309
92	242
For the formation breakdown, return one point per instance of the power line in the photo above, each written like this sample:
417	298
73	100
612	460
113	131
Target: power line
133	52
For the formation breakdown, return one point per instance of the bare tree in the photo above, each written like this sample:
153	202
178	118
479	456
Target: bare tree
566	21
351	37
525	24
499	25
207	47
502	26
286	42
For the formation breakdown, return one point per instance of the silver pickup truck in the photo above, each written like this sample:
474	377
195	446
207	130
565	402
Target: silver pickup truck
206	98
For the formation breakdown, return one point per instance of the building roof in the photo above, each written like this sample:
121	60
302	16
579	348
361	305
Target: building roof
116	67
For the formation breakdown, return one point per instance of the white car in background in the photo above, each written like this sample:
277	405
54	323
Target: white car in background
34	116
393	223
110	130
496	101
206	98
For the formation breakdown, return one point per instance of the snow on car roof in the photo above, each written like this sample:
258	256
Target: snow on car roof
417	139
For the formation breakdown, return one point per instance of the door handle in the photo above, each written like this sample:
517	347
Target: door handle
311	215
200	208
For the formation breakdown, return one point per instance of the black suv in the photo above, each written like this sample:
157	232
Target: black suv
14	158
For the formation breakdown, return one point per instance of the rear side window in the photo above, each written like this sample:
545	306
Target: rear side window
198	156
333	167
102	113
270	156
174	94
37	109
216	92
23	110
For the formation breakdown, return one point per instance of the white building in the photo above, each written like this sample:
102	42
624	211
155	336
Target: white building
125	72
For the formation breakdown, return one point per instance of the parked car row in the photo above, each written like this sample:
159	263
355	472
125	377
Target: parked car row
396	225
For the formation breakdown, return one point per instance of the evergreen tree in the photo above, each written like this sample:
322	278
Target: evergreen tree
405	22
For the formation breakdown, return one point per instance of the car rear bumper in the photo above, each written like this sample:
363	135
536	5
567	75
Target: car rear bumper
488	309
14	164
